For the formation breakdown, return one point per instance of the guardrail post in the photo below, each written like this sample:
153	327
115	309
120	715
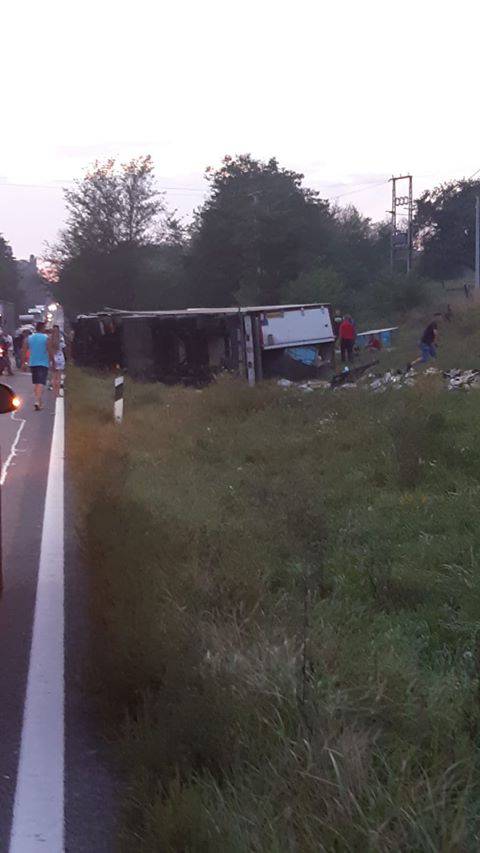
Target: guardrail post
118	400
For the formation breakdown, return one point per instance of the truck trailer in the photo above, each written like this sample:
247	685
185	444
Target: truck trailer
192	345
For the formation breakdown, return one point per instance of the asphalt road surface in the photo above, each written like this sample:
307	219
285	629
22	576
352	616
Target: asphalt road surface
57	790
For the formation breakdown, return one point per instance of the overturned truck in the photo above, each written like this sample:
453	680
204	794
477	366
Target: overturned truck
193	345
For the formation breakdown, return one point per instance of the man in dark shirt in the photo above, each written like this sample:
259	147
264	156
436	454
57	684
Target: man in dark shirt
428	344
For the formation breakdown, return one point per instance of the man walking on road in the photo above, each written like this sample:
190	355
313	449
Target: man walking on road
35	351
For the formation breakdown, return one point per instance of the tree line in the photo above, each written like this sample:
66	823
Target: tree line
261	237
14	286
9	278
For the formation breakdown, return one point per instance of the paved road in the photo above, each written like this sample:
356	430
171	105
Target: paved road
75	783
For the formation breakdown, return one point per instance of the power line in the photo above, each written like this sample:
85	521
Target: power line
60	187
63	183
362	189
7	184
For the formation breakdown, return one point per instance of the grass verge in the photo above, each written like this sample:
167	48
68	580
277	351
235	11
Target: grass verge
286	600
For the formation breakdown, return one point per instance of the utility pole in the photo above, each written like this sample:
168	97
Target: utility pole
401	236
477	243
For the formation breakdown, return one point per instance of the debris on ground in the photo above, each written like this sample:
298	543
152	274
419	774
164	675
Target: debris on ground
462	379
319	384
392	378
349	375
358	377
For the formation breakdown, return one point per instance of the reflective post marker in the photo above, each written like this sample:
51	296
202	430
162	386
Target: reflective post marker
118	400
249	349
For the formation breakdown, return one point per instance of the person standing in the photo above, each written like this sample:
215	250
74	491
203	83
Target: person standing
5	353
36	355
56	345
346	334
9	344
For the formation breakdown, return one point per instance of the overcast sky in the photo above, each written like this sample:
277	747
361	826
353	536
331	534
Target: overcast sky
346	92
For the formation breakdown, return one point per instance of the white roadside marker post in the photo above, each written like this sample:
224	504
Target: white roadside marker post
118	400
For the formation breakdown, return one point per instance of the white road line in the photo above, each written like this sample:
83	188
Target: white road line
38	813
13	449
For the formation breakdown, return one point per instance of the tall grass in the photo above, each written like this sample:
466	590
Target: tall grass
285	593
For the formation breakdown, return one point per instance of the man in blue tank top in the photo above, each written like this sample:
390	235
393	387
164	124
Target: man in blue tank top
36	353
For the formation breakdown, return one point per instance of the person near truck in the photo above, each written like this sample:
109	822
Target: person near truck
347	336
428	345
374	343
337	322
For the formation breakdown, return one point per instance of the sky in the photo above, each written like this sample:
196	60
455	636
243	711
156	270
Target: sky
346	92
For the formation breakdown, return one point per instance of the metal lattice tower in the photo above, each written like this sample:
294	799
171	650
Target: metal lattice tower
402	234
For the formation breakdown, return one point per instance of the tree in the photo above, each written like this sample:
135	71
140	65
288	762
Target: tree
117	238
8	274
445	229
111	206
320	284
360	249
258	230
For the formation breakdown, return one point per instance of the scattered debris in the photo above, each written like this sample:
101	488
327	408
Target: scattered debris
462	379
319	384
349	375
310	385
380	382
357	377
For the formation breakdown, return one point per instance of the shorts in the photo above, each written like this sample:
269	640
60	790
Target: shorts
428	351
39	374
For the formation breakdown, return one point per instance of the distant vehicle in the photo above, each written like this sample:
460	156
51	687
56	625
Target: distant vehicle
34	315
38	313
50	314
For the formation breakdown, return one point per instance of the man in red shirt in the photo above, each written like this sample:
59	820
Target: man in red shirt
346	334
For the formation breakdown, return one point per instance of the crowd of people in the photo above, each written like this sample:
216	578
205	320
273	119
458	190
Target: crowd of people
41	351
